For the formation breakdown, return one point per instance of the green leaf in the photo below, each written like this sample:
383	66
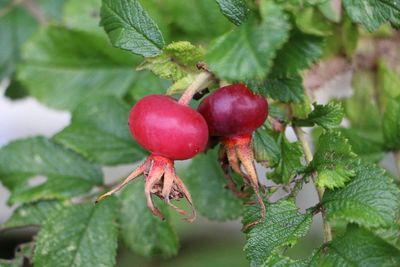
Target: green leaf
328	116
285	88
365	144
83	15
349	32
310	20
327	9
331	178
61	76
34	213
333	160
265	146
358	247
206	183
369	199
16	27
176	61
283	226
278	111
372	13
185	53
99	131
17	262
390	234
141	231
16	90
129	27
247	52
23	253
284	82
81	235
188	19
276	260
68	174
391	124
302	109
299	3
361	109
388	81
235	10
344	38
289	163
298	53
163	15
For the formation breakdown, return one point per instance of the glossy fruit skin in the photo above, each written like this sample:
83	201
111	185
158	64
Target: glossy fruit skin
166	128
233	110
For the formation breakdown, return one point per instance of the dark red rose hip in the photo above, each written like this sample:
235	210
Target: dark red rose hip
233	112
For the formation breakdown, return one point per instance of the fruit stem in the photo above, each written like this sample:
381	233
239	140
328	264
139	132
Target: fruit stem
201	82
309	157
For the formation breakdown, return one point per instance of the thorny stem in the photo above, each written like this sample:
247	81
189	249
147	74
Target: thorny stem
202	80
309	156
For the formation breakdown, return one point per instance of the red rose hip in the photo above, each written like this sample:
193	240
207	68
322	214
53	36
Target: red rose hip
232	113
170	131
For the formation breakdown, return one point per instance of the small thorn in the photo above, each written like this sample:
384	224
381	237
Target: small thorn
100	198
189	220
250	225
250	202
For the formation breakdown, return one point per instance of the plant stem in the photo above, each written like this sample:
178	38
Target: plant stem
304	144
396	155
309	157
202	80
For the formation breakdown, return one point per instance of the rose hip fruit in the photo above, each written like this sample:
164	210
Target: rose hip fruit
232	113
169	131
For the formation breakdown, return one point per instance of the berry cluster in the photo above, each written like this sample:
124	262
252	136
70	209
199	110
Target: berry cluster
171	130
